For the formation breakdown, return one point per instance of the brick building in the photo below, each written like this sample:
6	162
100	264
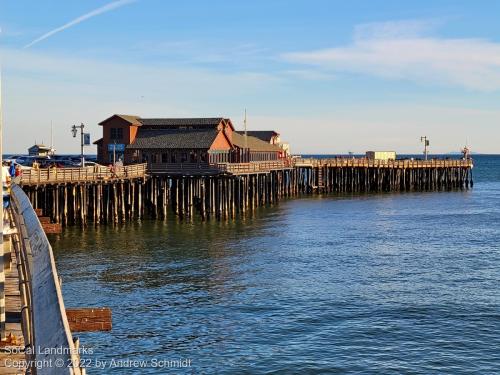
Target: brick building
170	141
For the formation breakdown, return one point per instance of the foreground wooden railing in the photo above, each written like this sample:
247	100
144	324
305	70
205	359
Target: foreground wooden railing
50	348
368	163
94	173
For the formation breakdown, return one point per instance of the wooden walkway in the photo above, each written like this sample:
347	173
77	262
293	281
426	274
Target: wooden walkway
214	169
12	357
47	176
367	163
255	167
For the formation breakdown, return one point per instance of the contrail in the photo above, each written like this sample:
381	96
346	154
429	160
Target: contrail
76	21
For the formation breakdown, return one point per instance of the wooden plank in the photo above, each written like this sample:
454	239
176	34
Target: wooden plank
15	340
89	319
38	212
50	228
44	219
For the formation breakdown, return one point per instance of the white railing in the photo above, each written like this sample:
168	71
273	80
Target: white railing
46	329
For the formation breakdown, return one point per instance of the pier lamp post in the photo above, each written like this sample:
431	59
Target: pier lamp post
426	144
74	131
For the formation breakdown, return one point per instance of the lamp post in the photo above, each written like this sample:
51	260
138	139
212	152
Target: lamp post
426	144
74	131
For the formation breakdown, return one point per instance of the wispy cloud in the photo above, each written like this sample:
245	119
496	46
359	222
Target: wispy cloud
96	12
399	50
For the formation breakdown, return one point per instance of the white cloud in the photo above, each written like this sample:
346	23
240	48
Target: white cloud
399	51
96	12
40	88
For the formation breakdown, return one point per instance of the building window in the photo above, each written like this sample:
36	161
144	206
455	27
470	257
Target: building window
172	157
116	134
183	157
164	157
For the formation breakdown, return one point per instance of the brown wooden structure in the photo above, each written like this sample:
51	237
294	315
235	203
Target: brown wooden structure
94	174
223	190
37	307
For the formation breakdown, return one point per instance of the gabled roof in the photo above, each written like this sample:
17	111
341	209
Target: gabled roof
174	138
229	122
191	122
134	120
265	135
175	122
40	147
253	143
99	141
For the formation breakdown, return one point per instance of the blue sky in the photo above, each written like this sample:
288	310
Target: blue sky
331	76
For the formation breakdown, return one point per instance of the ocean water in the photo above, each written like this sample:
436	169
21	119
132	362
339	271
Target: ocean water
401	283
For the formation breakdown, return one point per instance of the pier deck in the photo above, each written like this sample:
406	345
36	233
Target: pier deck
221	190
215	169
367	163
45	176
12	352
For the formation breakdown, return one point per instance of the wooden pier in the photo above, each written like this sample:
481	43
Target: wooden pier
224	190
12	352
39	339
364	175
97	174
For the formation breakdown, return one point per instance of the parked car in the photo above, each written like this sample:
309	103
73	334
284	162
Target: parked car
13	157
87	164
28	161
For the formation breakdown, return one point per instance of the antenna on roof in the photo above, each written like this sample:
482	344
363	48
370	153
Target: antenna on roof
51	152
245	122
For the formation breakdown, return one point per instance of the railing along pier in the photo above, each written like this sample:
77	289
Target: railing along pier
222	190
78	175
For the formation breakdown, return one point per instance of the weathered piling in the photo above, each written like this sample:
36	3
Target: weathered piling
225	195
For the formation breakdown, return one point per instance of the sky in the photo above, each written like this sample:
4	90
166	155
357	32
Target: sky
330	76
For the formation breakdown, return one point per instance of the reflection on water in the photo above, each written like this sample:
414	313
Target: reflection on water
369	283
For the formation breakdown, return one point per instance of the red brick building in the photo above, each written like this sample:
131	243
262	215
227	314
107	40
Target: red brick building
167	141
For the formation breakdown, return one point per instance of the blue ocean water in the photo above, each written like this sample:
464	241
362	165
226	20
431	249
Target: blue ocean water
348	284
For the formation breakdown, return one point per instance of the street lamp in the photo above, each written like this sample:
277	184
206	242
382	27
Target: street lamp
74	131
426	144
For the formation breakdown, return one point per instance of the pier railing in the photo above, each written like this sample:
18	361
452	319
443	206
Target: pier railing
181	168
217	168
255	166
86	174
45	325
369	163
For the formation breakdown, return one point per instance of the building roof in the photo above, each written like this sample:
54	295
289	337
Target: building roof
265	135
200	121
193	122
40	147
129	118
253	143
174	138
99	141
